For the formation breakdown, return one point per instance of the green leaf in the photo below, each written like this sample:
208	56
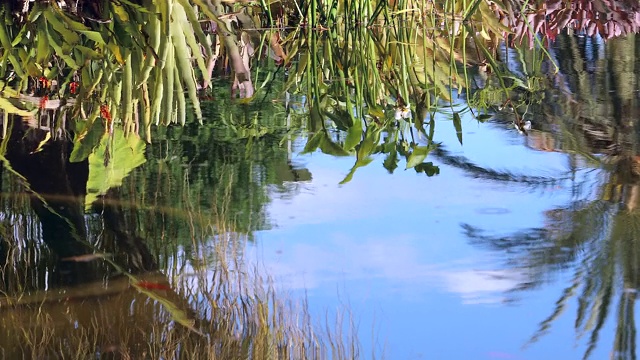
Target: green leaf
417	156
7	106
202	39
181	100
115	50
165	13
94	36
42	143
182	54
315	117
168	77
391	162
127	91
359	163
329	147
87	52
71	24
428	168
313	143
121	12
59	50
124	38
43	49
115	157
85	140
376	111
368	145
69	36
457	123
7	50
354	135
492	21
341	118
516	82
153	46
137	7
483	117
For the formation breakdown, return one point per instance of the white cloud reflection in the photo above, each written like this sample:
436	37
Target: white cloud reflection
399	266
331	236
400	234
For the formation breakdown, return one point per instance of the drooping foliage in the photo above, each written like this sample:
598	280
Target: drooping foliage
366	67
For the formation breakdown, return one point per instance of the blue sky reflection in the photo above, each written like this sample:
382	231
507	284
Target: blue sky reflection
391	246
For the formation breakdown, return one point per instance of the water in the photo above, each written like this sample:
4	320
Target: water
463	265
393	249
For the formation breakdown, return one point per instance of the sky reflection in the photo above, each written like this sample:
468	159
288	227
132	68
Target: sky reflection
391	246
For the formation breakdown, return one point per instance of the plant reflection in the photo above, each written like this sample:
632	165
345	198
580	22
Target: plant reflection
373	74
154	269
594	239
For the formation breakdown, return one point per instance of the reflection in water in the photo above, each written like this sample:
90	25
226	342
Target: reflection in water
156	254
399	265
603	18
593	116
154	268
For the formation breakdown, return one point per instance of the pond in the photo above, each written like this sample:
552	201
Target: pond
507	231
520	248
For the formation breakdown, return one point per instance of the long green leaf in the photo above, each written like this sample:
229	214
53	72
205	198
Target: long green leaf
187	76
70	37
457	124
329	147
7	106
152	54
57	47
169	87
181	101
127	91
313	143
202	40
354	135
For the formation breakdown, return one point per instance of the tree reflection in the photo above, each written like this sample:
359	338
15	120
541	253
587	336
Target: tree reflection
595	239
158	257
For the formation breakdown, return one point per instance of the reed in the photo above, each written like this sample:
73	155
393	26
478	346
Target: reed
208	302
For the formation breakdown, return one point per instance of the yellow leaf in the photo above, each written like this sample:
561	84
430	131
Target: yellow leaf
121	12
484	34
115	50
46	139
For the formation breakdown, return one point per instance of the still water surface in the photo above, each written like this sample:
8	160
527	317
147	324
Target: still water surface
462	265
393	248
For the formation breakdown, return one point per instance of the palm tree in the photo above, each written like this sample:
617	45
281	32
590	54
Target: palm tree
598	240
